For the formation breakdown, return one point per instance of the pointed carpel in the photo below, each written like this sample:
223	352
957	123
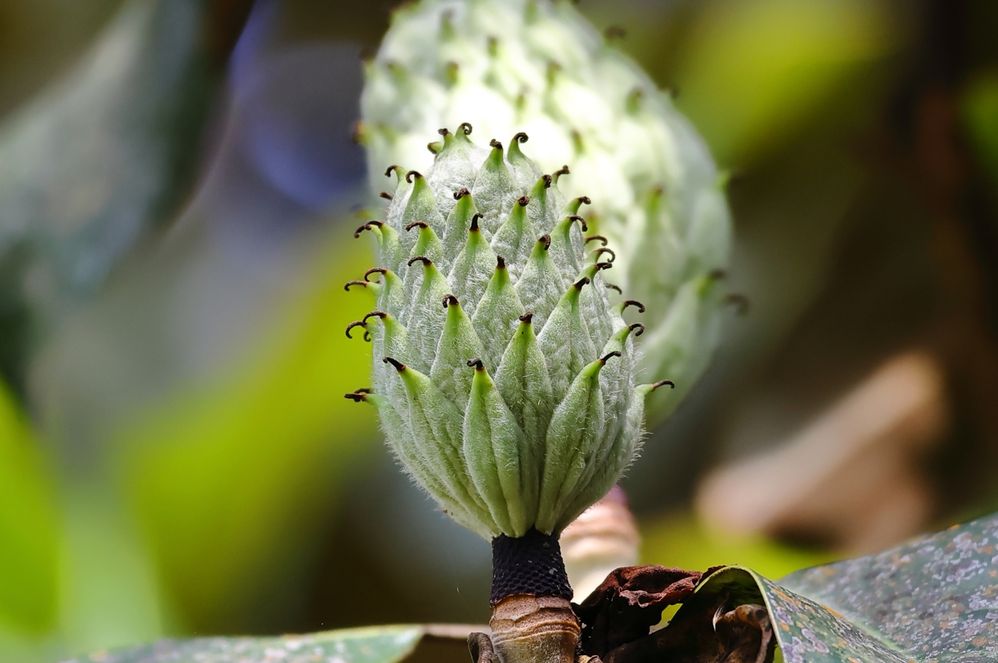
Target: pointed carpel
457	341
458	221
541	283
565	340
514	237
567	246
496	313
422	314
427	243
437	423
421	206
524	171
473	267
572	443
492	443
389	291
543	211
494	188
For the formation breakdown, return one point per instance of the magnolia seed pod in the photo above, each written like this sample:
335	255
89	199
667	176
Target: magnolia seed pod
504	378
646	178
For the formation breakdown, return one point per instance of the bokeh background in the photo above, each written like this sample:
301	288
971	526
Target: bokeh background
178	187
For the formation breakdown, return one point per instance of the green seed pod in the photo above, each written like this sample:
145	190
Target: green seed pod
503	376
539	67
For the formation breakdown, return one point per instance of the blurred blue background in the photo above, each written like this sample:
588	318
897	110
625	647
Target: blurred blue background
178	187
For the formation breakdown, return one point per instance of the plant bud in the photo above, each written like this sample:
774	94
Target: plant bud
540	67
504	378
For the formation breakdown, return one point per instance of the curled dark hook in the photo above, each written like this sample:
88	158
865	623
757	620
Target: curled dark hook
414	224
522	201
412	174
545	240
521	137
604	250
580	220
347	285
385	195
597	238
477	364
399	366
474	221
366	226
614	286
423	259
605	358
465	128
547	179
581	283
357	396
450	300
500	262
380	315
392	168
600	266
356	323
461	193
584	200
495	144
527	317
635	303
443	131
564	170
637	328
663	383
374	270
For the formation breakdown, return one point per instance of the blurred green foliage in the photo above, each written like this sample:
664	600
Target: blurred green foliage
980	119
680	540
755	72
29	522
226	466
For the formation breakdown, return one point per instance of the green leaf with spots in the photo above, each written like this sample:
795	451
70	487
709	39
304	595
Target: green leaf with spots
382	644
931	600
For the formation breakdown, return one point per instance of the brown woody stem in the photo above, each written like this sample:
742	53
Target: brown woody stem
532	617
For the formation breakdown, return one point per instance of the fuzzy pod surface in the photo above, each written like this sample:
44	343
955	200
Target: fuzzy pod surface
540	67
504	377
